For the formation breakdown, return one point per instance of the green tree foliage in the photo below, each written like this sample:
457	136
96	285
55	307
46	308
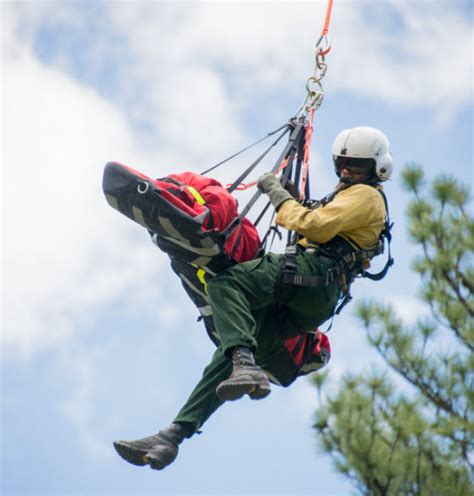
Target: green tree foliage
412	433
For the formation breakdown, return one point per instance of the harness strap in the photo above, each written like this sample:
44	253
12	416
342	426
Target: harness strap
295	136
309	281
345	266
380	275
341	268
387	234
290	276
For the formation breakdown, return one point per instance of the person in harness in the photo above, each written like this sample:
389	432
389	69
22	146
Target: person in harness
258	304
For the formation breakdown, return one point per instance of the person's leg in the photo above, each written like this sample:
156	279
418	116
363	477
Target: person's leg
161	449
235	293
201	404
235	297
165	445
309	307
203	401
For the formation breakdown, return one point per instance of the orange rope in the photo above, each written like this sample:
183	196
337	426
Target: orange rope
328	19
310	127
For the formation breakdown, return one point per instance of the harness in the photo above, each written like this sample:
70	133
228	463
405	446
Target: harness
345	262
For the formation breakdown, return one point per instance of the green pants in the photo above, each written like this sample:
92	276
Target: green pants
246	314
203	401
237	293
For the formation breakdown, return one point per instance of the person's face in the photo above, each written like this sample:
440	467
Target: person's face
354	174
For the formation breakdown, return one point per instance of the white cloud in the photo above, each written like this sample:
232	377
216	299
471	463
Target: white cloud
199	65
395	51
408	308
407	55
79	407
63	247
66	253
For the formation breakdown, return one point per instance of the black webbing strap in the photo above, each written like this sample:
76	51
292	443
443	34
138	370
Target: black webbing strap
254	164
295	176
262	213
299	161
292	143
244	149
342	265
307	193
386	233
289	272
288	151
309	281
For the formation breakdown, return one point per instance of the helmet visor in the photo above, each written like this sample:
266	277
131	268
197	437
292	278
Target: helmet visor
354	164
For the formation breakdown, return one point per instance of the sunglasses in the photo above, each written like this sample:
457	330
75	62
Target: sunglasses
355	165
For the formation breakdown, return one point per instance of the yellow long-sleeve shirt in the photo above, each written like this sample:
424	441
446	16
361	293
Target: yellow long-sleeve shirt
356	214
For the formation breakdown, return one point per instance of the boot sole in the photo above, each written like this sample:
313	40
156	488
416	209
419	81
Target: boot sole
234	391
262	391
156	464
130	454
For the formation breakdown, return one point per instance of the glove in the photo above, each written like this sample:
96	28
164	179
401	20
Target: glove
271	186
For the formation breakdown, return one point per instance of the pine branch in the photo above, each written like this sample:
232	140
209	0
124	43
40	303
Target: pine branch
464	281
419	383
384	442
457	291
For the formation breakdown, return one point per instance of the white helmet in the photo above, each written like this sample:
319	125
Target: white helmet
363	147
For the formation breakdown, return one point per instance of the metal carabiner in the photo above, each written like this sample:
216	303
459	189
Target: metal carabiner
317	81
327	42
320	63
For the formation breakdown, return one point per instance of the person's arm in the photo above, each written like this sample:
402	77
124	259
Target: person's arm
351	209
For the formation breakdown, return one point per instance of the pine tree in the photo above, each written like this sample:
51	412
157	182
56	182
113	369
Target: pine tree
412	433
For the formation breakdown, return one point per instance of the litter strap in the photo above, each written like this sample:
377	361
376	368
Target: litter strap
289	151
244	149
292	142
254	164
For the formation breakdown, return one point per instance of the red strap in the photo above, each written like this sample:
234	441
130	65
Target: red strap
244	186
307	146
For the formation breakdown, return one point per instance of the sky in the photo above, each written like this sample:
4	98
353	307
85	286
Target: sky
99	341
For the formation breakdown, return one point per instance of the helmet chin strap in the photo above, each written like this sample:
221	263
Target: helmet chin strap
346	180
350	182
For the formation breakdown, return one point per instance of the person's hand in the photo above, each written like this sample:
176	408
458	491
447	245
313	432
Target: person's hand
266	182
272	187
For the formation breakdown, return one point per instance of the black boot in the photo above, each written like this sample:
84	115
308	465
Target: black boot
158	450
246	378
